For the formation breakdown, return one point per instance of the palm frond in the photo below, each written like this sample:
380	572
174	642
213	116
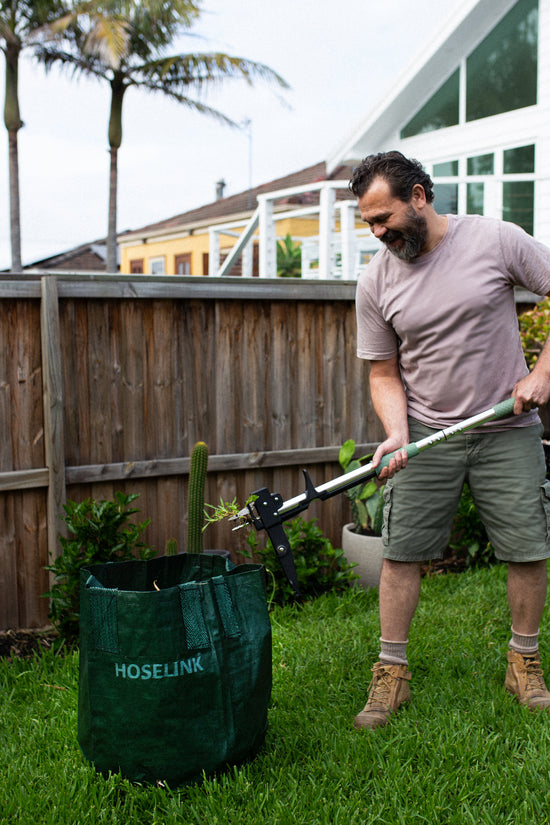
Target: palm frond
195	105
83	64
108	40
195	70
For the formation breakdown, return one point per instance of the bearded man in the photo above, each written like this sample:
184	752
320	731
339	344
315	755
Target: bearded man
437	323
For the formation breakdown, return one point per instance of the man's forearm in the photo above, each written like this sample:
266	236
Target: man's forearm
389	400
534	390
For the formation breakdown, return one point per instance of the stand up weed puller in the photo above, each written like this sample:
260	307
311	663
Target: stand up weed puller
268	511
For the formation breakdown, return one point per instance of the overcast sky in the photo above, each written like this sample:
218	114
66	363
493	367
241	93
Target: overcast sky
339	58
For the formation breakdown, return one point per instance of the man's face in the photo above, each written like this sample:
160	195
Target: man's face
398	224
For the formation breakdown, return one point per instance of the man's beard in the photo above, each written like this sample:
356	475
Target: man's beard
412	238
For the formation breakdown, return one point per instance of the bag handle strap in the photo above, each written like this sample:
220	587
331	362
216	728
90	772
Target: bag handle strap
226	608
103	607
196	633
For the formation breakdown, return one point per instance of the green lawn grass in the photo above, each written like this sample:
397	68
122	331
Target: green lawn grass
462	752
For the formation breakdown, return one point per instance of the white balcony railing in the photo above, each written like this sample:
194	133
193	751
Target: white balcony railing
329	254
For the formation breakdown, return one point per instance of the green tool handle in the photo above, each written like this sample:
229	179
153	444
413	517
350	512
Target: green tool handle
502	410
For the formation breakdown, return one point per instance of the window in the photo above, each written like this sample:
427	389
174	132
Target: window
448	169
156	266
136	266
475	193
519	161
446	198
518	199
183	264
501	73
439	112
518	196
481	165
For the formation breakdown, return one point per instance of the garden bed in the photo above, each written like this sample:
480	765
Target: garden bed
23	644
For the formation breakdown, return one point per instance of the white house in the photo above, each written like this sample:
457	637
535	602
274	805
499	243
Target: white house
474	108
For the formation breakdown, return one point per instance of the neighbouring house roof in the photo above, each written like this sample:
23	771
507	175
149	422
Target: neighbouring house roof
245	202
88	257
463	30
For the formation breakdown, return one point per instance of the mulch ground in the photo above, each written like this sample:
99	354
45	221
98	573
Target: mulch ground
24	644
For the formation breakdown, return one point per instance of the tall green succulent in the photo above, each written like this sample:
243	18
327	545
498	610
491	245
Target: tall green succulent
195	506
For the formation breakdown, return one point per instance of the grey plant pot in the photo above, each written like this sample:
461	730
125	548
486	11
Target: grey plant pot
366	553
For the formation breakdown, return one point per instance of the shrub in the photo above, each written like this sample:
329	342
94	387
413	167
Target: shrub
534	327
320	567
289	258
100	532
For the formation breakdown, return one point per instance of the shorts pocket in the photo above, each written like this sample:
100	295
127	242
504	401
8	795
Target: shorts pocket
388	498
545	499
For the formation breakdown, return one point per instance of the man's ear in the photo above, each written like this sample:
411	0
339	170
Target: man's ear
418	196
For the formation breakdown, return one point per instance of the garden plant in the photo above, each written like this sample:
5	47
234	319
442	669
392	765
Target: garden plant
99	531
367	499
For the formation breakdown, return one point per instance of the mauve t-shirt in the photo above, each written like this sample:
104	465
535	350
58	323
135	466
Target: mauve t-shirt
451	317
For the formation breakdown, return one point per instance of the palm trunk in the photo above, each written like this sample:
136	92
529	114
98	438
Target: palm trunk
13	123
15	219
112	265
115	139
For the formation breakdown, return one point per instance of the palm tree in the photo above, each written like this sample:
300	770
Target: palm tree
19	22
125	43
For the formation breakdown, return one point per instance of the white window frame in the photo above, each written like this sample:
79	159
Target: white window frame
157	266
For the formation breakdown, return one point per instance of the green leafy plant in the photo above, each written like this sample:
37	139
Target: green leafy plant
469	539
100	531
320	566
367	502
289	258
534	328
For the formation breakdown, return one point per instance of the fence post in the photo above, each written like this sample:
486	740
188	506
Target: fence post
54	436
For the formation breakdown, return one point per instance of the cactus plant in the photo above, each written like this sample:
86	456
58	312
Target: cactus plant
171	548
195	506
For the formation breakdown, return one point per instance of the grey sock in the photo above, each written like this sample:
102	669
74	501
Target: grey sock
526	645
393	653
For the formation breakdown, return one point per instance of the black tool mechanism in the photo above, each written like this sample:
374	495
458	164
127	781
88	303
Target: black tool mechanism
267	511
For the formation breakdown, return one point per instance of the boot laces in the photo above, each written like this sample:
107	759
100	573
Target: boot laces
535	677
381	687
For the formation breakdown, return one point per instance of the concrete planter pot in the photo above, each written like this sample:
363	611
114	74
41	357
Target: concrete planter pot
366	553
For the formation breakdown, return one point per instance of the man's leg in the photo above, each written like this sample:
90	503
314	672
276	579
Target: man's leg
399	592
420	503
398	597
526	596
520	541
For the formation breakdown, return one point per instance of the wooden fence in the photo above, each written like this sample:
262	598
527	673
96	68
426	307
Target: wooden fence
106	384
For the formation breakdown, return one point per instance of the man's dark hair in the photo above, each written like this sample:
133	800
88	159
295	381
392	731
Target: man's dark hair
400	172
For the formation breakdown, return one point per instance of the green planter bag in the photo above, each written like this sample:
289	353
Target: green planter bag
174	681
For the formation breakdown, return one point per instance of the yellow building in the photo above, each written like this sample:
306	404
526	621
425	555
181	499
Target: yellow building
181	245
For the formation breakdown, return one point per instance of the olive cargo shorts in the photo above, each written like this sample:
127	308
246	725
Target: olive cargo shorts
506	475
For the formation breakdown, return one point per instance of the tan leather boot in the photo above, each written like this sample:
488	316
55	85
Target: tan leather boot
524	679
388	690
